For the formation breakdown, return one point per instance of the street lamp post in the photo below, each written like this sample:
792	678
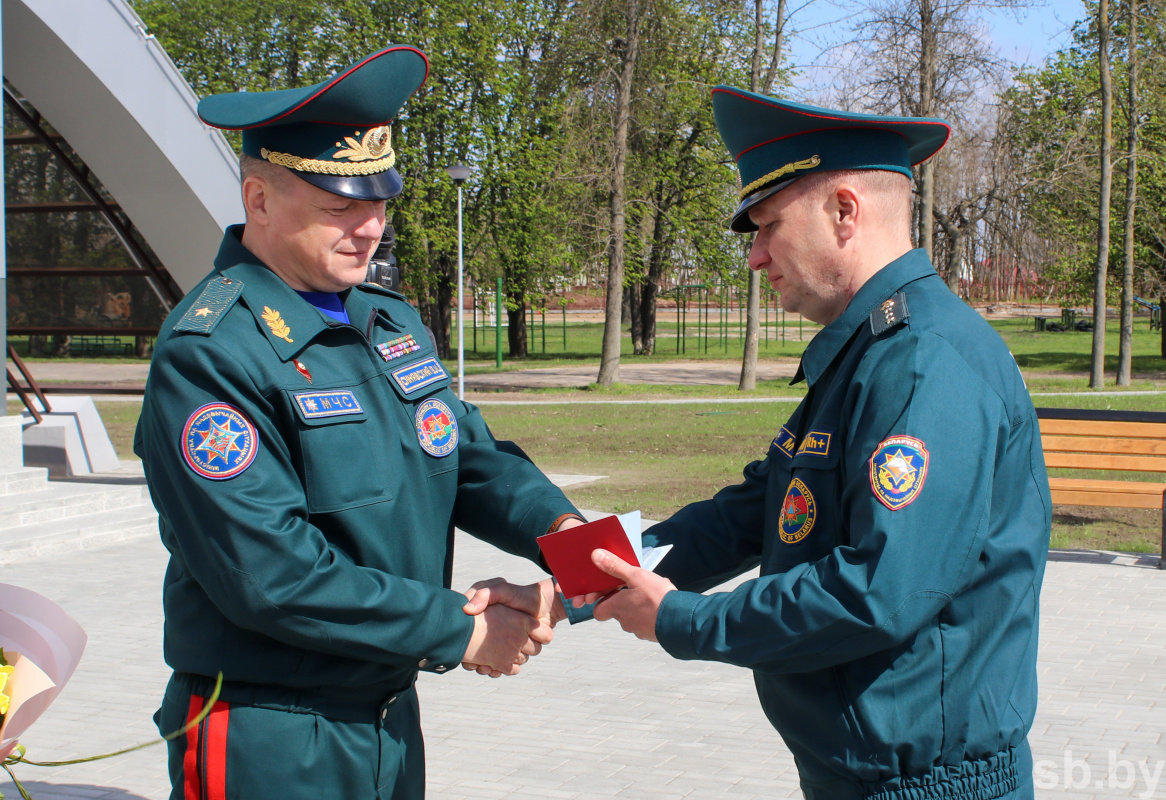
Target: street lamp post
459	172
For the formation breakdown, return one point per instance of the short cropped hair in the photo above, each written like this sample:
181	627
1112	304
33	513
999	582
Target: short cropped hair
275	175
890	191
272	173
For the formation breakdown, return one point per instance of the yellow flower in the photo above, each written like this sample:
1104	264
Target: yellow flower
4	699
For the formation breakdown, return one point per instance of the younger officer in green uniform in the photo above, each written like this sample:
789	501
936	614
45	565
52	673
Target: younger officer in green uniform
901	516
309	463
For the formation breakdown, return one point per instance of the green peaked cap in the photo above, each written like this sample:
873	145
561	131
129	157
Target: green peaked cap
335	134
775	142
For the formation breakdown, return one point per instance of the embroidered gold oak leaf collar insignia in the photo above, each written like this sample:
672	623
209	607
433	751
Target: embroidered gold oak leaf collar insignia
279	328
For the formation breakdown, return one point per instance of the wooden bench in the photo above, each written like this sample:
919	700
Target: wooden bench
1130	441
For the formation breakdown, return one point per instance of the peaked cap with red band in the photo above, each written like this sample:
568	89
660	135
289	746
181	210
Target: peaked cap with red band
336	134
775	142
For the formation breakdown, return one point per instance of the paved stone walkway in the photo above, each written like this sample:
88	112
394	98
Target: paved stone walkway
601	714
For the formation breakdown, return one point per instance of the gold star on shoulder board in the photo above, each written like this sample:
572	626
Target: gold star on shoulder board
202	312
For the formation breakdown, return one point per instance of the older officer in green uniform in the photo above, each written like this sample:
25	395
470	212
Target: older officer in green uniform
901	516
309	463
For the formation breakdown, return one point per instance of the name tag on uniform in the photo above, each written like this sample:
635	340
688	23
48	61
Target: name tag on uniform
784	441
314	405
419	375
816	443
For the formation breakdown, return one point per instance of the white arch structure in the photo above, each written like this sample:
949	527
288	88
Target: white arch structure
105	84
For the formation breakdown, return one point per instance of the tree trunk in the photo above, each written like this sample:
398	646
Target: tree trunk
927	69
1097	365
631	303
651	285
516	316
648	313
443	310
609	360
775	61
748	380
1125	348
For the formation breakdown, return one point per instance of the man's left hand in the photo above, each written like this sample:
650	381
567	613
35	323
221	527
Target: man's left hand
637	605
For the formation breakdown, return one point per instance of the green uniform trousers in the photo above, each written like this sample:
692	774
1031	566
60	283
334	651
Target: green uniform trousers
274	747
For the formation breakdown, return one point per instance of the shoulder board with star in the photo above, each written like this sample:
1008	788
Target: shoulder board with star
889	314
376	288
210	307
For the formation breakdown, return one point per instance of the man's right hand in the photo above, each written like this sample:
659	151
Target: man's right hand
503	640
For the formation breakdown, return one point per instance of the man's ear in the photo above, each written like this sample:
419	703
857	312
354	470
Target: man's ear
848	207
256	194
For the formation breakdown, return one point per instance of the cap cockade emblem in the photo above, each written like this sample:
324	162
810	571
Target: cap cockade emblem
279	328
373	145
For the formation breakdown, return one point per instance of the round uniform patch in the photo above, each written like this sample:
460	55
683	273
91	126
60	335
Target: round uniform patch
436	428
219	442
898	469
798	512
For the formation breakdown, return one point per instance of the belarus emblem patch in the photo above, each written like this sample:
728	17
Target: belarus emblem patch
436	428
219	442
897	471
798	512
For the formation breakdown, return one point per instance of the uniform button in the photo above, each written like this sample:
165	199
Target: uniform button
384	713
392	700
423	663
440	669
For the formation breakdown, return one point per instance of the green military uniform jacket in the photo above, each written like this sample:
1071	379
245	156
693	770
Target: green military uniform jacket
308	486
901	522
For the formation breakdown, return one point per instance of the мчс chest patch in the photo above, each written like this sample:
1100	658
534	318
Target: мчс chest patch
898	469
436	428
798	512
314	405
219	442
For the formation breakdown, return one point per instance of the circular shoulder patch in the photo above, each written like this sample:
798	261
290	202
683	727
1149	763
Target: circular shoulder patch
897	470
798	512
219	441
436	428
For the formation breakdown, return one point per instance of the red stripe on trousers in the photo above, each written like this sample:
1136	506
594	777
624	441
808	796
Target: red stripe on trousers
206	752
216	751
191	784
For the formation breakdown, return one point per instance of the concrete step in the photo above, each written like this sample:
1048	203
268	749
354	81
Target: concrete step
60	500
21	481
28	542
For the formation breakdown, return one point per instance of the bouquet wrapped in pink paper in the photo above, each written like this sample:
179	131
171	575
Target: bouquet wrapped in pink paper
42	646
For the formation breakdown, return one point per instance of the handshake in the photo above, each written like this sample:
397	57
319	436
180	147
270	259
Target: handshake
512	623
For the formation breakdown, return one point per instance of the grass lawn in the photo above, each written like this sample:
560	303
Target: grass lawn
659	457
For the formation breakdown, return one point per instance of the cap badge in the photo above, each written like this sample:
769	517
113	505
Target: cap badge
279	328
374	144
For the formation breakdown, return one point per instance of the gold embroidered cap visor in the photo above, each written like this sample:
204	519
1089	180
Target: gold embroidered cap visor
776	142
336	134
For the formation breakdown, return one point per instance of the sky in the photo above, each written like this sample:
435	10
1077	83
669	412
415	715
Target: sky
1024	36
